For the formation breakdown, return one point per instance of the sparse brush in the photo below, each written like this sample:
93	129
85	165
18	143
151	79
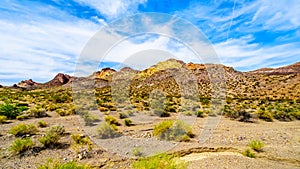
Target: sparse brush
23	129
111	120
57	164
106	131
127	122
89	119
256	145
53	134
248	153
160	161
42	124
2	119
173	130
20	145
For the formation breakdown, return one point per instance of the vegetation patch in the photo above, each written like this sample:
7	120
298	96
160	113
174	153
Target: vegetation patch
21	145
23	129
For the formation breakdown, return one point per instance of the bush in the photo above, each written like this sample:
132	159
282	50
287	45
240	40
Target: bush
161	113
89	119
123	115
106	131
50	164
53	134
2	119
160	161
111	120
37	112
11	111
137	152
256	145
200	113
21	145
250	154
23	129
127	122
22	117
42	124
173	130
81	139
264	114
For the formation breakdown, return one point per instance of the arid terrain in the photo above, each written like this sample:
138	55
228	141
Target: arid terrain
67	119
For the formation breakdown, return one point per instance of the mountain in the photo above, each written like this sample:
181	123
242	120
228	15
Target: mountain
59	80
290	69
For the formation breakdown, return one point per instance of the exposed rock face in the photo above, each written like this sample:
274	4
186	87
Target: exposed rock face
104	74
28	84
59	80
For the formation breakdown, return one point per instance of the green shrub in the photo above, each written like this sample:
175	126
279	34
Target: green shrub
170	109
264	114
89	119
81	139
51	164
127	122
256	145
23	129
161	161
123	115
106	131
53	134
11	111
200	113
173	130
250	154
111	120
22	117
2	119
37	112
42	124
21	145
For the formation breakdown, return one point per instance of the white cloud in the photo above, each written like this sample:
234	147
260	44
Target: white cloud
39	46
243	55
113	8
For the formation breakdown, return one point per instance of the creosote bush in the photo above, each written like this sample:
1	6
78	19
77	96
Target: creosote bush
256	145
57	164
106	131
2	119
127	122
173	130
111	120
160	161
42	124
53	134
21	145
248	153
23	129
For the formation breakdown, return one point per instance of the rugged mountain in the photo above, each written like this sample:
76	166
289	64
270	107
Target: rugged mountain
28	84
59	80
290	69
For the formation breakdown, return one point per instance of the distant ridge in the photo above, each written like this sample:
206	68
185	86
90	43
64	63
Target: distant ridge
104	76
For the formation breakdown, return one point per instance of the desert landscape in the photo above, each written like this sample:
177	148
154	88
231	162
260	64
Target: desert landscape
68	123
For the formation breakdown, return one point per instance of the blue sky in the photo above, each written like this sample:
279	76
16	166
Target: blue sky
40	38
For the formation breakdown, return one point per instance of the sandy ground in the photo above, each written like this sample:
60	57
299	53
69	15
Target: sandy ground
223	149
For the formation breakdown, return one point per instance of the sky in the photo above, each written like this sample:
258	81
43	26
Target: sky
40	38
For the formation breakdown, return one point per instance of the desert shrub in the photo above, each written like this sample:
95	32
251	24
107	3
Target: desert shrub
200	113
160	161
161	113
127	122
256	145
22	117
51	164
111	120
11	111
53	134
264	114
61	112
248	153
137	152
37	112
170	109
106	131
89	119
2	119
42	124
295	114
81	139
23	129
173	130
20	145
188	113
123	115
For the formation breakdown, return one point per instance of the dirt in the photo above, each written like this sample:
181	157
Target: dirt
224	149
